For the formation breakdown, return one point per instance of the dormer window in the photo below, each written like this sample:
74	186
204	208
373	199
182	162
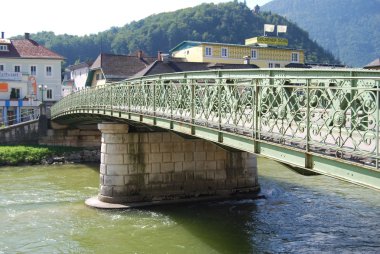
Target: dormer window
3	47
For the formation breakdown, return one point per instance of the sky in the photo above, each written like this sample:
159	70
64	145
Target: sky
80	17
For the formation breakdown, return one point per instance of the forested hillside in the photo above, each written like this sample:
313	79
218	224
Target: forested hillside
230	22
347	28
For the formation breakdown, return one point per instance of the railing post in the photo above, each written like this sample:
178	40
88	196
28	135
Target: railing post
129	87
154	97
111	98
308	157
307	114
171	100
219	86
257	115
192	102
377	122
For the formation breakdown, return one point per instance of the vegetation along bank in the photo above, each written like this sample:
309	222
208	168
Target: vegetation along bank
30	155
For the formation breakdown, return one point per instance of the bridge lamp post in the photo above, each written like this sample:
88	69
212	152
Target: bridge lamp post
42	89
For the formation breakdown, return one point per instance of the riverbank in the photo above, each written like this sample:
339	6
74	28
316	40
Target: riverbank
32	155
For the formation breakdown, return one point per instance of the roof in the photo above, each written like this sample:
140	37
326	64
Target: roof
297	65
374	63
119	67
25	48
159	67
74	67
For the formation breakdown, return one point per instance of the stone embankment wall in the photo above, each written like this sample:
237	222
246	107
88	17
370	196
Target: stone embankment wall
23	133
72	137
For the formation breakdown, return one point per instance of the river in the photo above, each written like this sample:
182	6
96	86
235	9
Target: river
42	211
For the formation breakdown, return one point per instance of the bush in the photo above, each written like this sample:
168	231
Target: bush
14	155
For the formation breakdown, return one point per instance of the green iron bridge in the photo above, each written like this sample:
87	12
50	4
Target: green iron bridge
326	121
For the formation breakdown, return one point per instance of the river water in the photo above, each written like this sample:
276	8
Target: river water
42	211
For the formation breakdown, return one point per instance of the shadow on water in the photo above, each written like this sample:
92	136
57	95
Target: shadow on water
220	225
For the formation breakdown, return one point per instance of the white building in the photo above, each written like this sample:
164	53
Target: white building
75	77
29	74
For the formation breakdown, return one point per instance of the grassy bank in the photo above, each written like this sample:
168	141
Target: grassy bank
15	155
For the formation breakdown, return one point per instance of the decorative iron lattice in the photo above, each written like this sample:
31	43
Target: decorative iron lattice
335	113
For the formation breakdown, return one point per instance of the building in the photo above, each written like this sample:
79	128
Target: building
75	77
374	65
166	64
265	52
29	74
108	68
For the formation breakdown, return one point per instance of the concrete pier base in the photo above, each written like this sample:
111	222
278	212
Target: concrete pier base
143	168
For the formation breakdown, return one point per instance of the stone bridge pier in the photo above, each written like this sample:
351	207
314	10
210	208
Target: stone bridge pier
145	168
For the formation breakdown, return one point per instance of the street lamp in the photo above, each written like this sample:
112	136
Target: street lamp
42	88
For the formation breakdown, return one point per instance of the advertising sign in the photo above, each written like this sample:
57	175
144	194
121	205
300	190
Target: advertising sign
6	75
267	40
3	87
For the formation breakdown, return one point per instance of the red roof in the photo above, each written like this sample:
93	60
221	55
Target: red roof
29	49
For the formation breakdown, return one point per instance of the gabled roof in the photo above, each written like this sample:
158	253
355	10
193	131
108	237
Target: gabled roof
119	67
28	49
159	67
374	64
74	67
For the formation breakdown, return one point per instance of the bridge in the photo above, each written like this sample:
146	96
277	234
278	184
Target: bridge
326	121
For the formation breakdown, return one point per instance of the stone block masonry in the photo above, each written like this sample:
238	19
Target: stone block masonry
71	137
156	166
22	133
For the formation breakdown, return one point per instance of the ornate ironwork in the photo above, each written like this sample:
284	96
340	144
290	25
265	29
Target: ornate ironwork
334	113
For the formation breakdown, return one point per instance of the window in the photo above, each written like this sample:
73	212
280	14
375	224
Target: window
98	76
277	65
1	67
17	68
15	93
33	70
254	54
48	71
224	52
3	47
49	94
295	57
208	51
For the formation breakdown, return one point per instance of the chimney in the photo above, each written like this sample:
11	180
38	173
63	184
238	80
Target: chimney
140	54
165	58
27	36
159	58
247	60
2	35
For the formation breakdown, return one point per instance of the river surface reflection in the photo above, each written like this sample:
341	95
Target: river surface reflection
42	211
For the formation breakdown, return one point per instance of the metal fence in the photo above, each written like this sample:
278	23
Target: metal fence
26	114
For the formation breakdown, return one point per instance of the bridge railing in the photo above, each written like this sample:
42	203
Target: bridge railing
329	112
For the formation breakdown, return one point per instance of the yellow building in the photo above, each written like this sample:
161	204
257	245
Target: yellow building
265	52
